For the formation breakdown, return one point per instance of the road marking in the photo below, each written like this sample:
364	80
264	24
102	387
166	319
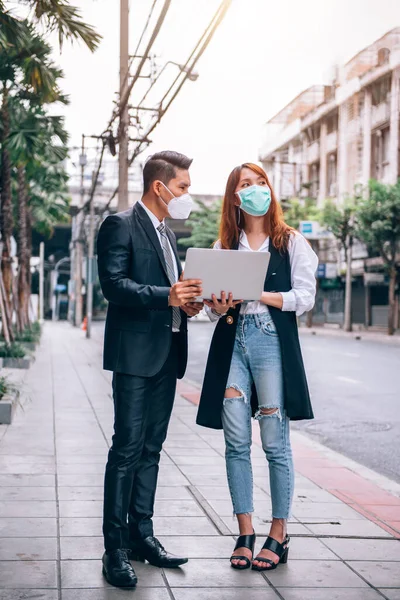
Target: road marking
348	379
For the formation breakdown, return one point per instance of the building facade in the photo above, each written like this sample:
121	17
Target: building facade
331	138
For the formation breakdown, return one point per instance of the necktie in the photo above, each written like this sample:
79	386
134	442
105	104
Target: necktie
169	262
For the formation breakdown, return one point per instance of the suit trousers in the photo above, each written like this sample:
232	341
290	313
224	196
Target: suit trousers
142	410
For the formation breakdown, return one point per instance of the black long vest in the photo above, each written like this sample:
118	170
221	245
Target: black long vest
297	397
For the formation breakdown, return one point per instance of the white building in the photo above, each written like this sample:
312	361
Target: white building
330	138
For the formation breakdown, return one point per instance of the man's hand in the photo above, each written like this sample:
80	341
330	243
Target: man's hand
222	306
192	308
183	292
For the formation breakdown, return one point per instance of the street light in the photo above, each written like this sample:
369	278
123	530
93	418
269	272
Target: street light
191	75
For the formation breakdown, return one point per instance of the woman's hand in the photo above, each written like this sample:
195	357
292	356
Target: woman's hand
272	299
222	306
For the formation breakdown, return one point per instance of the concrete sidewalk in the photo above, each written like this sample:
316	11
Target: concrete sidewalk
52	461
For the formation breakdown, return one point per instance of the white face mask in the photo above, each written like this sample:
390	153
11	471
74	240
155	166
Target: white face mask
179	207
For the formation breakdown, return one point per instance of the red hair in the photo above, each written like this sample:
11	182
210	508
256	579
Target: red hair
232	219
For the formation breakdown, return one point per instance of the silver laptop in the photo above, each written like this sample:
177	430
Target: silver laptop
242	273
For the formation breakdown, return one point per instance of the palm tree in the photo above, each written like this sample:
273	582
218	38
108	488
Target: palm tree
54	15
32	144
27	75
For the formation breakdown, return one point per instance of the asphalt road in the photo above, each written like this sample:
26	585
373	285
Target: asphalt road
355	389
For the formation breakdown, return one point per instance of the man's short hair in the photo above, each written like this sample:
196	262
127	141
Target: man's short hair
162	166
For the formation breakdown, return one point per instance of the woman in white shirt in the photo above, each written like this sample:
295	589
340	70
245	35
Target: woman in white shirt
255	366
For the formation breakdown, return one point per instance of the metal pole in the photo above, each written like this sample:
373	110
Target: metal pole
123	140
41	282
78	244
89	282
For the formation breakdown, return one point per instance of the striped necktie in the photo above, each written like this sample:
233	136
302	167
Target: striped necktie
169	262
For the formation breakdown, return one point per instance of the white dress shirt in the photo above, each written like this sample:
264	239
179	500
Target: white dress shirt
303	262
156	223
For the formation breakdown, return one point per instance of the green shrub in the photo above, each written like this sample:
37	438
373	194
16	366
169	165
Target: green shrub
3	386
13	350
27	336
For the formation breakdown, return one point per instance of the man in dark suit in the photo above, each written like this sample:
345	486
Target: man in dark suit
145	346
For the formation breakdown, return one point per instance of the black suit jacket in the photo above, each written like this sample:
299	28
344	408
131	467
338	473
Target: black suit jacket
134	280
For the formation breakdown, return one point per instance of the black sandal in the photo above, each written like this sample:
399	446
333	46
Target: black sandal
281	550
244	541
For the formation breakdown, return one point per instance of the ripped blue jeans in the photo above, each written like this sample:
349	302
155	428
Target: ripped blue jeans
257	358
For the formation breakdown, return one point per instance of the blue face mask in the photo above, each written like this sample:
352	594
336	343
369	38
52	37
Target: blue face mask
255	200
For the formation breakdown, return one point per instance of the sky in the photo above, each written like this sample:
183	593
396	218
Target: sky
263	55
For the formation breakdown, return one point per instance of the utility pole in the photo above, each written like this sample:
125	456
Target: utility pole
78	255
123	132
41	283
90	274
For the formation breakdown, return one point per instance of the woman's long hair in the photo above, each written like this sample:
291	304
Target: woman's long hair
232	218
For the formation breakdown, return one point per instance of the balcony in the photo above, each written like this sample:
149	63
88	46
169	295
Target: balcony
313	152
354	128
380	114
331	142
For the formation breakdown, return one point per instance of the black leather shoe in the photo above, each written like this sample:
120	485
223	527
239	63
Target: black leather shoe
118	570
151	549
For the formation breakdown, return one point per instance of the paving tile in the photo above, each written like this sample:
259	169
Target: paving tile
80	527
215	573
172	492
304	495
262	506
82	469
232	593
178	453
183	526
27	469
199	460
27	480
391	594
90	479
349	528
28	594
84	458
80	493
81	508
177	508
331	594
365	549
378	574
109	593
324	510
386	513
29	527
199	546
81	548
24	548
28	574
88	574
27	509
316	573
309	549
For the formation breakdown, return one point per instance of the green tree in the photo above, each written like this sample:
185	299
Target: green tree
296	210
378	225
53	15
204	224
32	144
28	77
340	221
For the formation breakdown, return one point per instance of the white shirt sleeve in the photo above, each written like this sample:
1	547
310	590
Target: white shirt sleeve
211	315
304	263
